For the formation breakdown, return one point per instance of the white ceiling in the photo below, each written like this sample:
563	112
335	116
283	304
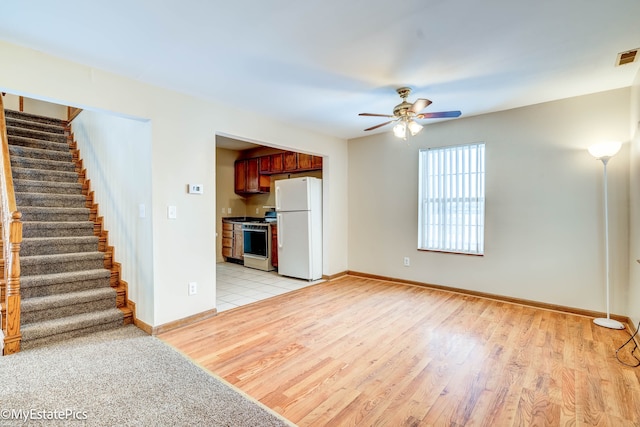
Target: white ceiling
317	64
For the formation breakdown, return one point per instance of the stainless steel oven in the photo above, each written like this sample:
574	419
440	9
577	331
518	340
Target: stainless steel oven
257	245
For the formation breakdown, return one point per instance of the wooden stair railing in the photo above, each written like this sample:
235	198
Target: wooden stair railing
11	224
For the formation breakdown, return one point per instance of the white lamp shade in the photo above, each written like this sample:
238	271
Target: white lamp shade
400	130
605	150
414	127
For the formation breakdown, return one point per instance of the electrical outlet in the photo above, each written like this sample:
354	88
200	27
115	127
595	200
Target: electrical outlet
193	288
407	261
257	210
228	210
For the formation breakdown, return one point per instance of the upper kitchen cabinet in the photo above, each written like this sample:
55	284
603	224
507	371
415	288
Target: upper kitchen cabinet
253	175
316	162
299	162
277	163
248	179
290	161
265	164
304	161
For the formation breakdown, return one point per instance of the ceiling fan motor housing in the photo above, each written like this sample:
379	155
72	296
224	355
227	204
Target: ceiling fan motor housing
403	109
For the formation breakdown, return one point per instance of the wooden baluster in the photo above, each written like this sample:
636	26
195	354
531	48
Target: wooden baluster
13	336
11	240
3	286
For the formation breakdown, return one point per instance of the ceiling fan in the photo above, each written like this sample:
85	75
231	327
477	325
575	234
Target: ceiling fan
405	114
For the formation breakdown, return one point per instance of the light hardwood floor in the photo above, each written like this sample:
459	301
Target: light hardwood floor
358	351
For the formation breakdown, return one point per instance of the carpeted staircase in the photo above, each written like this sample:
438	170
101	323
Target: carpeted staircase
66	287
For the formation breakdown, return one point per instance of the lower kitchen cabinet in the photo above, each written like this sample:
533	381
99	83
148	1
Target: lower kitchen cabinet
227	239
238	242
232	241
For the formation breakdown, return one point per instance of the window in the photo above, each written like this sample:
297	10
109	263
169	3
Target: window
451	204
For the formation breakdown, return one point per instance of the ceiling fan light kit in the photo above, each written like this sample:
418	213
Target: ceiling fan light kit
405	114
400	130
414	127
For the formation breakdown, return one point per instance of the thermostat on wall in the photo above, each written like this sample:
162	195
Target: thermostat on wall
195	189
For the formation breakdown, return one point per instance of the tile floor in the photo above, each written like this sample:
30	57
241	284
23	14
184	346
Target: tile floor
238	285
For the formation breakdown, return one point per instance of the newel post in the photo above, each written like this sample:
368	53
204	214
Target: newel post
12	273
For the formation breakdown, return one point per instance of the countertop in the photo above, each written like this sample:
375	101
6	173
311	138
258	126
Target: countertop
243	219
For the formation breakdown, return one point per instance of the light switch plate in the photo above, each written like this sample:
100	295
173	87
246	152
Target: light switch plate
172	212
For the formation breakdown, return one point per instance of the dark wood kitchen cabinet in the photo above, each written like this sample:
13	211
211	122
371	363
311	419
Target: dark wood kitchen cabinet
277	163
232	241
304	161
248	179
290	161
240	176
265	164
308	162
316	162
300	162
227	240
238	242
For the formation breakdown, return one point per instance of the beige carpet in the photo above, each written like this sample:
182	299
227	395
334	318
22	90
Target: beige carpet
119	377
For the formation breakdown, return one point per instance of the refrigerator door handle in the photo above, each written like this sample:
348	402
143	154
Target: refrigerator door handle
280	230
277	198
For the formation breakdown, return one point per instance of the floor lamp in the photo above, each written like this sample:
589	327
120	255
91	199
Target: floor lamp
603	152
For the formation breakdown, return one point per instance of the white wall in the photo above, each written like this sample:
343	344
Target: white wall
183	132
116	152
544	216
633	308
11	102
35	106
46	109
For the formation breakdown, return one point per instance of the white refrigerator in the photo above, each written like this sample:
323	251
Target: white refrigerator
299	220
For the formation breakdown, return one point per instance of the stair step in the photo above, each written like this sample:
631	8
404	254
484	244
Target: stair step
45	308
41	333
46	164
61	263
33	117
29	124
52	200
56	229
35	174
36	134
36	246
22	141
49	187
66	291
39	153
48	214
51	284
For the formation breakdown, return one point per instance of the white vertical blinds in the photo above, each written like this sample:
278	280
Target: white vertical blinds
451	205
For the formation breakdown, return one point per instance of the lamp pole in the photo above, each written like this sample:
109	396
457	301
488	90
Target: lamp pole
604	152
